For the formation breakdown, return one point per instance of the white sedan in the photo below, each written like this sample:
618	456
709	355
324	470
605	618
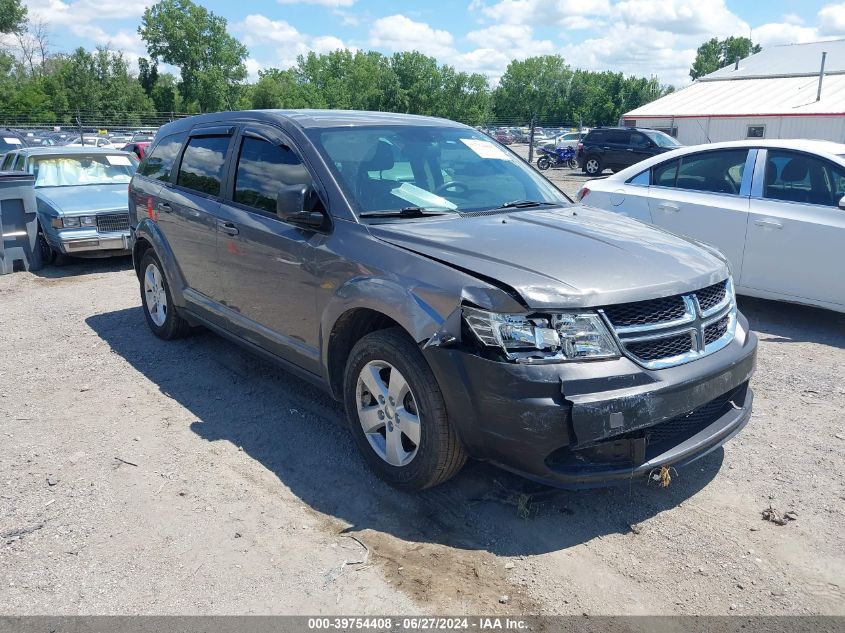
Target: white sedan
774	208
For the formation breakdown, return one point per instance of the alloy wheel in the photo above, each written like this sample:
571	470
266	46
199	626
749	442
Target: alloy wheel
155	295
388	413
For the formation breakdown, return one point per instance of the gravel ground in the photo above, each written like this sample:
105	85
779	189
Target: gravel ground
140	476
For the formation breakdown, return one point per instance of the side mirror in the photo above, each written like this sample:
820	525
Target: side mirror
296	204
842	203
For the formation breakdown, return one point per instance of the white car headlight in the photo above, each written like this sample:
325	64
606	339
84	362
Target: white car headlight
556	336
70	222
88	220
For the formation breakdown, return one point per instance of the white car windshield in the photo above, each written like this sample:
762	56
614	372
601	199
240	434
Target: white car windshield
100	169
450	169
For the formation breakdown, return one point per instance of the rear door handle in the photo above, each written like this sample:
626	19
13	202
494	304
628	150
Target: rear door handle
666	206
769	224
227	227
163	206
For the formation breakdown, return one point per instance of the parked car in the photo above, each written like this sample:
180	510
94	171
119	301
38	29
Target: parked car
82	201
775	208
11	140
504	137
569	139
450	296
619	147
136	148
91	141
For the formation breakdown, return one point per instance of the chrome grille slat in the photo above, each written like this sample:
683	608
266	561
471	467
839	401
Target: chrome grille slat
111	222
656	334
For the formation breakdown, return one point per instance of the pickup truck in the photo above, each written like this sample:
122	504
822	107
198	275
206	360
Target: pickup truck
452	298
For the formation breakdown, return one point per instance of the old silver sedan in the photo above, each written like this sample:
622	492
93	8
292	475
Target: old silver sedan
82	199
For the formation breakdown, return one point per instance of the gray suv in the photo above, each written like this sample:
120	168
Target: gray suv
454	300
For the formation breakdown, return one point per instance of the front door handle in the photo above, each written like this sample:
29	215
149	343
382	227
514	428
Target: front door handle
228	228
163	206
666	206
769	224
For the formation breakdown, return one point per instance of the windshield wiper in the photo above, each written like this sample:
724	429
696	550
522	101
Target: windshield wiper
525	204
406	212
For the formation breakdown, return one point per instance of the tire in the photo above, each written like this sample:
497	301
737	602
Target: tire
543	163
157	302
422	456
593	166
572	163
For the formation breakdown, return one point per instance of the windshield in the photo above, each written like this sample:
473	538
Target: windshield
8	143
444	168
662	139
101	169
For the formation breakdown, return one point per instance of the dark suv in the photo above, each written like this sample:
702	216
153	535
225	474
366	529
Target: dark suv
454	300
619	147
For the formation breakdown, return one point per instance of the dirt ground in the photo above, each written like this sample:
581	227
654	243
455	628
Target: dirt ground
141	476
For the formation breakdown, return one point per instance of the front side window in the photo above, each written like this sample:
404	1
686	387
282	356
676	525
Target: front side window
160	161
263	169
450	169
795	177
202	164
714	172
661	139
81	169
639	141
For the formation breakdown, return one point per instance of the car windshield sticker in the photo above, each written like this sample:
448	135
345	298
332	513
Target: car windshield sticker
485	149
12	140
118	161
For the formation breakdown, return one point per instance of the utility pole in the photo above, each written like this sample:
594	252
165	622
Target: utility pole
531	141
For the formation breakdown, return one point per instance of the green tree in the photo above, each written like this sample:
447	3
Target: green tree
210	61
12	16
715	54
536	86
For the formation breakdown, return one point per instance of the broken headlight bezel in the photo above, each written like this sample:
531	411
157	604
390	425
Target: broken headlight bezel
551	337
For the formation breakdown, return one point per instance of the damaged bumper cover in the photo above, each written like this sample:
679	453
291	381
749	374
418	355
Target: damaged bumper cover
582	424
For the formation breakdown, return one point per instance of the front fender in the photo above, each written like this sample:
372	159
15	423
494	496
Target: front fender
147	230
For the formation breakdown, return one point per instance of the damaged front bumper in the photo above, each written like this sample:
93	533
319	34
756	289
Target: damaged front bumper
582	424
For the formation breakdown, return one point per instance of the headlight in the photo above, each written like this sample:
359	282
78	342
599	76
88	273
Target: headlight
557	336
88	220
70	223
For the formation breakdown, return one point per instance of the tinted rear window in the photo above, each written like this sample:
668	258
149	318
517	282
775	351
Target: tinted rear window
159	163
202	164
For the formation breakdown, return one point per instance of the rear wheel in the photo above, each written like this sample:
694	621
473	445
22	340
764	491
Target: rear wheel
593	166
157	302
543	163
572	163
396	413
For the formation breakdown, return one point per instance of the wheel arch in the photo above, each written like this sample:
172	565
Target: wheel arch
148	235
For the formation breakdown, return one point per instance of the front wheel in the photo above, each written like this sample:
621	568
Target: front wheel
396	413
543	163
157	302
572	163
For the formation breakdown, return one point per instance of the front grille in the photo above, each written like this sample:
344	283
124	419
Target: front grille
654	331
646	312
715	331
689	423
661	348
711	296
113	222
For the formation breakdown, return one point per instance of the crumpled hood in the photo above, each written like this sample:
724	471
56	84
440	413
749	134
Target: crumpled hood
576	256
80	199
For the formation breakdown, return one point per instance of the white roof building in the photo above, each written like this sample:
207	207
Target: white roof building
772	94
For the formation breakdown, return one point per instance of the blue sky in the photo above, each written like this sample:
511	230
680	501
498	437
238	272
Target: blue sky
643	37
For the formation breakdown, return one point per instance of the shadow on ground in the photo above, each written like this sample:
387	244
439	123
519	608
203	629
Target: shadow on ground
77	266
782	322
298	433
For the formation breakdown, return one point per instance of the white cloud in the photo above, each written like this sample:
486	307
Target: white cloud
498	45
784	33
258	29
82	12
252	68
832	19
322	3
541	11
400	33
